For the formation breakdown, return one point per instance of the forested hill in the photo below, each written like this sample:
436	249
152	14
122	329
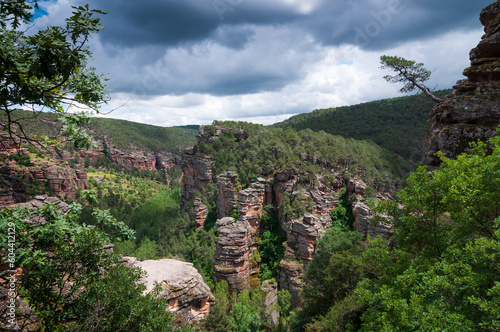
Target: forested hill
125	135
397	124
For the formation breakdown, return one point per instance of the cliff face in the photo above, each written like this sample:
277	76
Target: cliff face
62	181
197	173
183	287
228	194
301	245
303	202
472	111
232	253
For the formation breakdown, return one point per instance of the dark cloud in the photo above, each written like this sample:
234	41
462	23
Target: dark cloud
235	37
384	24
368	23
213	47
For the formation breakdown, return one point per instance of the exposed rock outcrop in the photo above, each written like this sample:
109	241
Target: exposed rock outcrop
9	145
40	200
197	172
232	253
62	181
182	286
200	213
271	301
228	194
251	203
12	190
301	246
472	111
363	217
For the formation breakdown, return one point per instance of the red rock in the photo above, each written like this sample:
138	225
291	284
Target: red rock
201	213
472	111
228	194
232	253
196	173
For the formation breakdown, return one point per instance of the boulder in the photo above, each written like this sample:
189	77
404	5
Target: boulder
182	286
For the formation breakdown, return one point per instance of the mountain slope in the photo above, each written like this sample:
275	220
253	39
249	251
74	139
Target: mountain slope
125	135
397	124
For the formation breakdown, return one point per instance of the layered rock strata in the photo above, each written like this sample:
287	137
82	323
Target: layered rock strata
472	111
300	249
200	213
182	286
197	173
363	222
228	194
62	181
12	190
232	253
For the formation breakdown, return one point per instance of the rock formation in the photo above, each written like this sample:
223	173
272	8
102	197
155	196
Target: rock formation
363	217
228	194
200	213
197	172
232	253
62	181
182	286
12	190
472	111
300	248
40	200
271	301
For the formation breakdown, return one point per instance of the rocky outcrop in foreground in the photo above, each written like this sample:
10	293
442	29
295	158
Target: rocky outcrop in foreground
472	111
182	286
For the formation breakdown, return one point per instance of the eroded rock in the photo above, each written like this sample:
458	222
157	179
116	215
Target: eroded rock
472	111
232	253
182	286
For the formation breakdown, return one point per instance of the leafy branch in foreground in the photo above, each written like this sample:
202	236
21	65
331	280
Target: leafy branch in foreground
47	71
69	278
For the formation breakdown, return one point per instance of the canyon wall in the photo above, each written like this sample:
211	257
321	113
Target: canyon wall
302	201
472	111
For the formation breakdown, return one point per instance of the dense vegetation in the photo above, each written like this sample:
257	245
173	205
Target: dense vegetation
397	124
125	135
310	154
67	277
442	274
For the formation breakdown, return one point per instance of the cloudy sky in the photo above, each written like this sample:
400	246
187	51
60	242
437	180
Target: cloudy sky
178	62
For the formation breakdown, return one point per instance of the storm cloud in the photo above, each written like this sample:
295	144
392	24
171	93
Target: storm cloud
244	58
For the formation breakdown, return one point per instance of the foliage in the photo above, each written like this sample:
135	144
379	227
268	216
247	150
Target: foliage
410	72
443	274
307	153
332	275
106	307
271	244
396	124
48	70
69	279
218	319
342	214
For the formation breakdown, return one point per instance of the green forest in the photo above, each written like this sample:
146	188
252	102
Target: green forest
334	223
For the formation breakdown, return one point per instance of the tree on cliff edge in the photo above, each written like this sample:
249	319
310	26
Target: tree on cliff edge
410	72
47	71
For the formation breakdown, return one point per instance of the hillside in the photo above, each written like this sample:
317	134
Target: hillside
397	124
124	135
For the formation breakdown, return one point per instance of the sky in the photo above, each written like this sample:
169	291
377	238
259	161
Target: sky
180	62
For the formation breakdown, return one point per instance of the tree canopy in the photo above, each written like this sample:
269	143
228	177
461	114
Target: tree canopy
48	70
